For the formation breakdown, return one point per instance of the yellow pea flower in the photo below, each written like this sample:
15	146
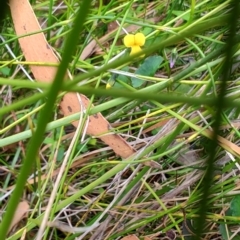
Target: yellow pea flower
135	42
110	82
108	86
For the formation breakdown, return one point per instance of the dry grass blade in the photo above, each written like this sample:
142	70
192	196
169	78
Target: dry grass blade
36	49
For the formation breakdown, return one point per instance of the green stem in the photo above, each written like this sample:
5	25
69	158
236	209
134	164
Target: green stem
36	140
226	74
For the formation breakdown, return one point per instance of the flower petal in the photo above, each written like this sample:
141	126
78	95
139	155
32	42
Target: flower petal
139	39
128	40
135	49
108	86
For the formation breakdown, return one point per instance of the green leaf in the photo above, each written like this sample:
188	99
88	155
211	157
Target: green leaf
92	141
48	140
234	210
148	68
235	206
184	17
224	231
121	78
5	71
60	154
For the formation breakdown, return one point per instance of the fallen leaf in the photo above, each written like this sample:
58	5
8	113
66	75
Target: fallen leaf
130	237
147	238
36	49
152	164
19	214
112	26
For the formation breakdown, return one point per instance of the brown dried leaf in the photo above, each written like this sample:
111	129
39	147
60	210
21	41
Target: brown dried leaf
112	26
147	238
152	164
97	125
20	213
36	49
185	155
130	237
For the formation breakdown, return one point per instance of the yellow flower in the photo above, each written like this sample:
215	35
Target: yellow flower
135	42
110	82
108	86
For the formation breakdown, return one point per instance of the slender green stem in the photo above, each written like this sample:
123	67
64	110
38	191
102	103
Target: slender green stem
226	73
44	117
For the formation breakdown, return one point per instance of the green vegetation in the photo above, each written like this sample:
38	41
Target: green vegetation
174	102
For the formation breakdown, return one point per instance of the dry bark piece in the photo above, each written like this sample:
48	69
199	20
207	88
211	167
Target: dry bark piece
36	49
